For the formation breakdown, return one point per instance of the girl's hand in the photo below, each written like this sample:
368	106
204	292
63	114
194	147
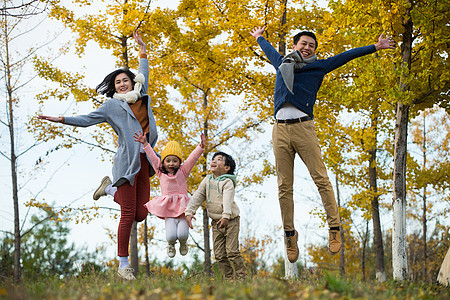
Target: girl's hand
189	221
51	119
202	141
138	39
140	138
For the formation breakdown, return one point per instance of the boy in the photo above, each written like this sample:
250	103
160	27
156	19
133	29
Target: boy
217	190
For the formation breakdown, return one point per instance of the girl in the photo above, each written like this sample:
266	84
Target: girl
127	110
172	176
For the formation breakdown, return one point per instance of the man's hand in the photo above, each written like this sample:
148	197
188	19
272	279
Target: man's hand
257	31
385	43
223	223
189	221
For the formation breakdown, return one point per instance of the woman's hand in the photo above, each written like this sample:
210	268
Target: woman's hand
138	39
139	137
51	119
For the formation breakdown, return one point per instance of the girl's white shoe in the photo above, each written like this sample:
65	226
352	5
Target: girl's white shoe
183	248
171	250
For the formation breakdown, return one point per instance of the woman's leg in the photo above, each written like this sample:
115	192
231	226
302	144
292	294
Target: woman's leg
142	183
126	197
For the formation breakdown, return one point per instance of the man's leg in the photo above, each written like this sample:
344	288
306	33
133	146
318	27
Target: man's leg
307	146
232	247
220	252
284	162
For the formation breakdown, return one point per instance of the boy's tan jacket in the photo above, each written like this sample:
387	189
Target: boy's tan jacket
220	203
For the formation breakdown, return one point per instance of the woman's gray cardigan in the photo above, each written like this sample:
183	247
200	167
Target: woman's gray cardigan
118	114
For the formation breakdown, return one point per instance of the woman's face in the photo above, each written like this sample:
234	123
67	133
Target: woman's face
123	84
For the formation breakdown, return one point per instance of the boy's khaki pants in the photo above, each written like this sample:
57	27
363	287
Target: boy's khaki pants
300	138
226	249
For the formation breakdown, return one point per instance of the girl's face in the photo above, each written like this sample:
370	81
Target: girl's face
123	84
171	163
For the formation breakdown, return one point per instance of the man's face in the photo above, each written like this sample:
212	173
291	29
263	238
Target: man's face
306	45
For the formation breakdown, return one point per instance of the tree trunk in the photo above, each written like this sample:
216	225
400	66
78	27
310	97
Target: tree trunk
134	257
290	269
341	232
147	261
377	235
399	246
424	207
13	160
364	249
207	263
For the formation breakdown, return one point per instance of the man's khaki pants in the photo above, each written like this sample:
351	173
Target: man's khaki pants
226	249
300	138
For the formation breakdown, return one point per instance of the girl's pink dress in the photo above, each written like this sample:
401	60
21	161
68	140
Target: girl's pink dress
174	198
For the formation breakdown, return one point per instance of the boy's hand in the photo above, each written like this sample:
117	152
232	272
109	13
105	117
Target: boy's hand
202	141
257	31
223	223
140	138
189	221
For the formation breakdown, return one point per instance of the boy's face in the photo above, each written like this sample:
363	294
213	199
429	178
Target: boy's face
306	45
218	167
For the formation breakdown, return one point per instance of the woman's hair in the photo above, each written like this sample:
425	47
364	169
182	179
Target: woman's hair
107	87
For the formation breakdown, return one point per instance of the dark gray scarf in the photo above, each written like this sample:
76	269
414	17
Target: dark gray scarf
291	62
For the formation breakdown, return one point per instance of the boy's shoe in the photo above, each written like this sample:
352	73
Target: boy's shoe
183	248
335	241
100	191
126	273
171	250
292	247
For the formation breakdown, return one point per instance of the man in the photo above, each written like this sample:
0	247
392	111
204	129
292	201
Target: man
298	79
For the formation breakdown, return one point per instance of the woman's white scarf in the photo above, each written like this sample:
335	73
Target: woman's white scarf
132	96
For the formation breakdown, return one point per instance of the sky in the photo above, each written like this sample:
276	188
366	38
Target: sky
70	176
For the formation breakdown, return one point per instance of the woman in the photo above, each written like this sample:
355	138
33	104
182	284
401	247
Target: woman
127	111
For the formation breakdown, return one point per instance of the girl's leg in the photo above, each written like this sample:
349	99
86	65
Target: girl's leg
182	229
171	236
183	234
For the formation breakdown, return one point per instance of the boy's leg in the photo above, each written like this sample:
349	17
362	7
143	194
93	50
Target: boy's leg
232	248
220	252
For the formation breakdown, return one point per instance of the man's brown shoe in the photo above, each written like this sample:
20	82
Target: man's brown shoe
292	247
335	241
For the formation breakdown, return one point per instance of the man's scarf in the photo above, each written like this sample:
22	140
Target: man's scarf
293	61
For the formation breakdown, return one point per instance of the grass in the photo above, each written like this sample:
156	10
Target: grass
175	286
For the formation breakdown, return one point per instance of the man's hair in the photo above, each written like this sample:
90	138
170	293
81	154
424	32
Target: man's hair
107	87
229	161
307	33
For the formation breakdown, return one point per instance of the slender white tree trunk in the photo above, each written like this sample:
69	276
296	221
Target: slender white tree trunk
399	246
290	269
